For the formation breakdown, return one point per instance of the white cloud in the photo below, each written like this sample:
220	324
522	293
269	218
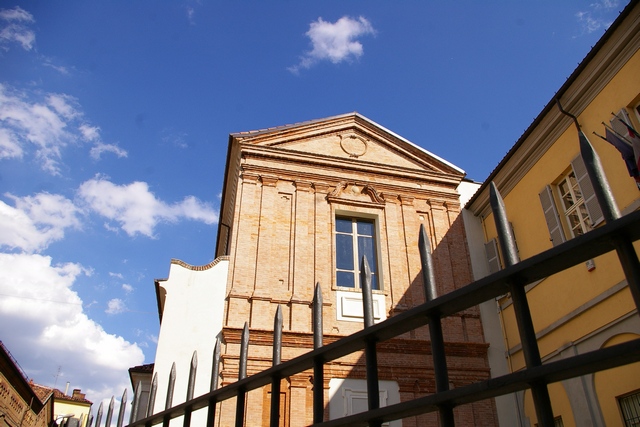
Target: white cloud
597	17
59	68
191	13
64	105
15	28
99	148
46	126
16	14
36	221
179	139
115	306
335	42
116	275
137	209
9	145
127	288
39	124
89	133
43	324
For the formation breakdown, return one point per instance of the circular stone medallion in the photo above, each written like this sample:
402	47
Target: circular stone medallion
353	145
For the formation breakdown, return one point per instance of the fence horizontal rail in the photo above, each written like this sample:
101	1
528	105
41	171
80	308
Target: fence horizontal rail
610	357
602	240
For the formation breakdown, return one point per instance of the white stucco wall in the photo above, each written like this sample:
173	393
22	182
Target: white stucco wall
191	321
506	406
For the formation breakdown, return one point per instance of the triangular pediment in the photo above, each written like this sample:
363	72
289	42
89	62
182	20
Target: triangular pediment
351	137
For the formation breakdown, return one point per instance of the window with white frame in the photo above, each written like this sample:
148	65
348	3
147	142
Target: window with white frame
630	409
355	238
570	206
573	205
349	396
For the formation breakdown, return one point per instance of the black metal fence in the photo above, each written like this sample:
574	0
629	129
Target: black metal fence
618	234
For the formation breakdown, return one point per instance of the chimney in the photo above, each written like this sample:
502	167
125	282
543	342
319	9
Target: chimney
66	389
77	394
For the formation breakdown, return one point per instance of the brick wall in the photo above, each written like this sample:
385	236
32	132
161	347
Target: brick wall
282	243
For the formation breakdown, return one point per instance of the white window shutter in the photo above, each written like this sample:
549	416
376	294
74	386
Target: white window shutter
551	216
491	250
588	194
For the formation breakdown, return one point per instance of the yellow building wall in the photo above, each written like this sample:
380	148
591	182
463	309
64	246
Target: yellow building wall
571	305
561	406
575	287
80	411
615	382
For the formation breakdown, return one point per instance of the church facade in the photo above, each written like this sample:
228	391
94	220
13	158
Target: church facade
301	205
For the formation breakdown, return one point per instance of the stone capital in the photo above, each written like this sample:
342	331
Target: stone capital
269	181
250	178
390	197
437	204
303	186
407	200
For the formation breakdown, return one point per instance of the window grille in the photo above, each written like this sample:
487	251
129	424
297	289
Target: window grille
630	408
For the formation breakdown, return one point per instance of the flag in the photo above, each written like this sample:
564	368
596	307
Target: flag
626	150
626	132
631	131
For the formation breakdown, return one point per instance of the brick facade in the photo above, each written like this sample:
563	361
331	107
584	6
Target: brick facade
283	190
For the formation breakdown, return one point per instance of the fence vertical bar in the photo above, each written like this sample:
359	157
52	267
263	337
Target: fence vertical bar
215	372
107	423
371	356
624	247
318	363
441	371
99	414
123	406
170	388
90	422
152	395
137	395
242	374
539	391
277	357
191	385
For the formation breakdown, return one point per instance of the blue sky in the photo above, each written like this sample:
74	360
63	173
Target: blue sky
115	116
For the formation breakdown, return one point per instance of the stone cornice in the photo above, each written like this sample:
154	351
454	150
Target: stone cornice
345	163
294	339
349	124
580	90
323	183
197	267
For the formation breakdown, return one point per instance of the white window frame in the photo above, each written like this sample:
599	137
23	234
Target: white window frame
375	270
343	392
554	210
493	256
572	205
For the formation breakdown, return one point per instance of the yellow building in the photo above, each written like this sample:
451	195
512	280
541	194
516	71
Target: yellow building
549	200
71	410
68	410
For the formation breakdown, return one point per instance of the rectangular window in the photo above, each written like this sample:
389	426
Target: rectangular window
493	257
570	206
557	422
573	205
630	408
355	238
